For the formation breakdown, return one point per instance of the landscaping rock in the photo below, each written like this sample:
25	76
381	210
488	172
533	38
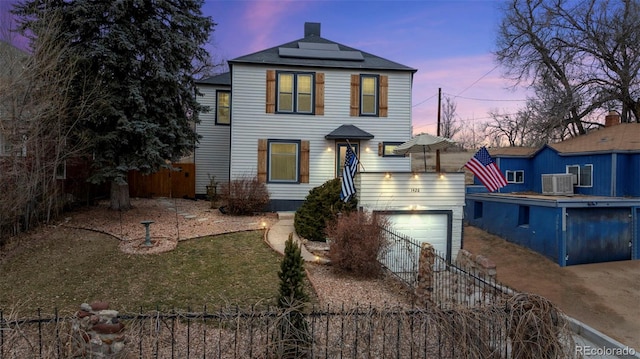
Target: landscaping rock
98	332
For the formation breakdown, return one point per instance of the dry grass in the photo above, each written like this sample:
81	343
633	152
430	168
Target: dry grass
67	267
449	162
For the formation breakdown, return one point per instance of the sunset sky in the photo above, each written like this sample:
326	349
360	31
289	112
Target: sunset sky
450	43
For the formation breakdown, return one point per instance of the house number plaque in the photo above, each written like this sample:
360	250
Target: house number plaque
414	190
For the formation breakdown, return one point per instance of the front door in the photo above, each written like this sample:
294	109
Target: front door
341	152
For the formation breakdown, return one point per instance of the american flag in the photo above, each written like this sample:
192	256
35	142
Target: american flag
348	173
486	169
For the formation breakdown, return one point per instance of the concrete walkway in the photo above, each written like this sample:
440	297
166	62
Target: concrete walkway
278	234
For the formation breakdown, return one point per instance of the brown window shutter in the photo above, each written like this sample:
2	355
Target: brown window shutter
271	91
355	95
304	162
319	94
380	149
384	96
262	160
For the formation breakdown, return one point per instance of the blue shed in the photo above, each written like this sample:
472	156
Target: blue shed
576	202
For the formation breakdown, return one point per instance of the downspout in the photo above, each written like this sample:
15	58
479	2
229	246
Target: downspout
614	176
562	258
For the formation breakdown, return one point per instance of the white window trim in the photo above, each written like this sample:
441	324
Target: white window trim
578	178
514	173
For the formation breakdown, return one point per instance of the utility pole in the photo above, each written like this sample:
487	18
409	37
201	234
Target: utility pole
438	129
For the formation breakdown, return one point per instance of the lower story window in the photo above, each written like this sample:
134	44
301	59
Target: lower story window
284	161
386	149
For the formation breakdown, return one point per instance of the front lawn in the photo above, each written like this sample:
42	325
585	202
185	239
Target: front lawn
66	267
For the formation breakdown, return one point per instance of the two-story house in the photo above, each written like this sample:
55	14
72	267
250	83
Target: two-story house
287	114
296	106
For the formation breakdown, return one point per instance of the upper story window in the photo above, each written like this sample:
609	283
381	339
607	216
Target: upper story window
295	92
515	176
369	95
223	107
582	175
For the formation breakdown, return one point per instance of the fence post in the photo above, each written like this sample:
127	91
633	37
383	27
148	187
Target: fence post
424	287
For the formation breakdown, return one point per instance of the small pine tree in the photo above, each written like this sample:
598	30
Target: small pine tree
295	338
291	275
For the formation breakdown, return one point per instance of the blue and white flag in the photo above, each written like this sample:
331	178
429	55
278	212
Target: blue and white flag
348	173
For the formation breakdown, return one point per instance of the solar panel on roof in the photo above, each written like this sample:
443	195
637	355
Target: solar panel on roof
320	54
318	46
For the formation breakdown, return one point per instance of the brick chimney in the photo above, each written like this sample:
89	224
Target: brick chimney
612	119
311	29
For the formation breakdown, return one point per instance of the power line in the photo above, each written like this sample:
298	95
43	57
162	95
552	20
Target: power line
484	99
421	102
478	80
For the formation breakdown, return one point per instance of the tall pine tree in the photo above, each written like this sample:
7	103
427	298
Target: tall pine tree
144	53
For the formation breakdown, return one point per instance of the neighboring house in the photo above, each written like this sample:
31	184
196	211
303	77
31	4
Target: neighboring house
576	202
287	114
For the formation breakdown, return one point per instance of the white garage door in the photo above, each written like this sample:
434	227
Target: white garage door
402	259
423	227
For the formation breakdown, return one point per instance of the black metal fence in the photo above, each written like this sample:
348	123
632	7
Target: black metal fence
453	285
484	332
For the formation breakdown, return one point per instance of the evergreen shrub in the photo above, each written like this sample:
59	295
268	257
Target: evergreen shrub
320	208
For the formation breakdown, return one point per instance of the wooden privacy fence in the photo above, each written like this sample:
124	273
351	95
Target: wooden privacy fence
178	182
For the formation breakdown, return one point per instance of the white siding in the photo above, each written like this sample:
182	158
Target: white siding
251	122
212	152
402	191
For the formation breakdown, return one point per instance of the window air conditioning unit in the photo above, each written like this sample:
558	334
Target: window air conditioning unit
557	184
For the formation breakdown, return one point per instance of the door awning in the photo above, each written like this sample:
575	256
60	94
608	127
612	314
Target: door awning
349	132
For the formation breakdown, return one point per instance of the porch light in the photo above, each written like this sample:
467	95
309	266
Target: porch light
367	149
329	149
387	175
441	176
415	176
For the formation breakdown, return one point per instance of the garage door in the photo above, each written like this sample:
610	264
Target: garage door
423	227
597	235
403	258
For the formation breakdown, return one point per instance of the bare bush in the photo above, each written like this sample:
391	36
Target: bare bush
356	241
39	127
502	330
244	195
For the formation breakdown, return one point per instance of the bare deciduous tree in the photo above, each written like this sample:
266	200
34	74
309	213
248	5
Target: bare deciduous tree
449	124
578	57
471	136
38	122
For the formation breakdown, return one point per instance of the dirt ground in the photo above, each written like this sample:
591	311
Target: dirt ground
605	296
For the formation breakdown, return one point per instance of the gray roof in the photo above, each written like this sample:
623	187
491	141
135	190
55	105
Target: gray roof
315	51
223	79
349	132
